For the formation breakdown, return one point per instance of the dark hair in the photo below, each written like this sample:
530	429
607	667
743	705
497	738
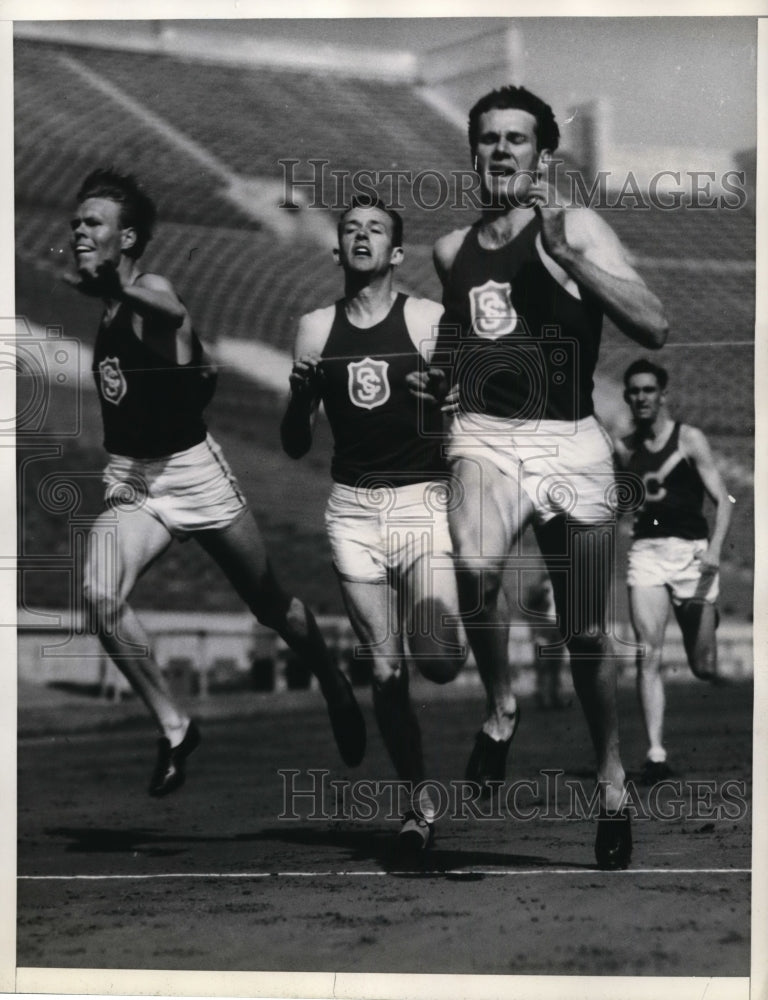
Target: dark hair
373	201
547	132
137	210
644	365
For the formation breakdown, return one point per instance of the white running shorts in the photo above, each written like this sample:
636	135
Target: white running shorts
674	563
192	490
562	468
381	532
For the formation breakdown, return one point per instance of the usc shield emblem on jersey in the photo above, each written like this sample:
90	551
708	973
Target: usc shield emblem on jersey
111	380
368	383
493	314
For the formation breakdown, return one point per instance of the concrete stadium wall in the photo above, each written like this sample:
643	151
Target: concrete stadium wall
197	649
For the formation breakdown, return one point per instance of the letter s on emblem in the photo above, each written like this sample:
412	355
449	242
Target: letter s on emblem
368	383
112	381
493	314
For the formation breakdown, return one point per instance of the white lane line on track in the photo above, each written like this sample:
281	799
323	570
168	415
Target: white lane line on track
354	874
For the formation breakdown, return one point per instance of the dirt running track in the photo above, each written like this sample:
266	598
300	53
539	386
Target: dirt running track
255	892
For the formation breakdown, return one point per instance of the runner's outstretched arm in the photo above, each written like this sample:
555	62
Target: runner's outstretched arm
298	420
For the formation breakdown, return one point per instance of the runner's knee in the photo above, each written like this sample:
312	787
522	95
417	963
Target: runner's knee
102	598
703	662
482	581
587	646
386	671
649	656
704	667
275	610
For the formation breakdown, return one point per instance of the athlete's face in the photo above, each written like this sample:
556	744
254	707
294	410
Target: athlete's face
506	154
366	242
644	397
98	235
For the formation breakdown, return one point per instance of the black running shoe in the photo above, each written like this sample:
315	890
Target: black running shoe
169	773
415	837
488	761
654	771
348	727
613	844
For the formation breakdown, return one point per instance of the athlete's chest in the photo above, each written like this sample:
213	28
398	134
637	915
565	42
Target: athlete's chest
366	368
510	290
663	471
368	379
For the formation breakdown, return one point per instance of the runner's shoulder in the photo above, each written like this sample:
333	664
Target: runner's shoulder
446	248
157	282
422	315
313	330
692	439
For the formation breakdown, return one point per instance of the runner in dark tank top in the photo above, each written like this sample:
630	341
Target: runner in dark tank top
524	291
672	561
166	477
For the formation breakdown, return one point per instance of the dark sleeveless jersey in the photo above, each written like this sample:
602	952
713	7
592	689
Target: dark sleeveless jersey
518	344
151	406
674	492
381	433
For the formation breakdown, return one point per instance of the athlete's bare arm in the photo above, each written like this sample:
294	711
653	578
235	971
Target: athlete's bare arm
160	318
299	419
695	447
153	297
590	253
150	297
422	318
432	386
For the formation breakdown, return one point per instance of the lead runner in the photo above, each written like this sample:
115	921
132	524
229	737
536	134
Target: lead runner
525	289
166	477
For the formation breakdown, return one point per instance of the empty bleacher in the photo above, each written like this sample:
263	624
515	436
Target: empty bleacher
237	280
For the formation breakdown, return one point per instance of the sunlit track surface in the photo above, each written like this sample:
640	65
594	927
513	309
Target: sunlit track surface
212	878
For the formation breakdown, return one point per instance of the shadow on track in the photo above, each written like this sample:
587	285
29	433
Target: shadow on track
379	846
100	840
361	845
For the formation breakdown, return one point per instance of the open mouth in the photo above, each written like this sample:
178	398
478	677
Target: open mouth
361	251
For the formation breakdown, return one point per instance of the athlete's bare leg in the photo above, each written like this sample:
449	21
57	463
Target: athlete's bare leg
697	621
649	611
240	552
483	528
121	546
548	669
374	615
580	581
431	612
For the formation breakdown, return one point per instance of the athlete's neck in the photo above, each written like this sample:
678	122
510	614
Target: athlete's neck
128	271
499	226
654	432
367	304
